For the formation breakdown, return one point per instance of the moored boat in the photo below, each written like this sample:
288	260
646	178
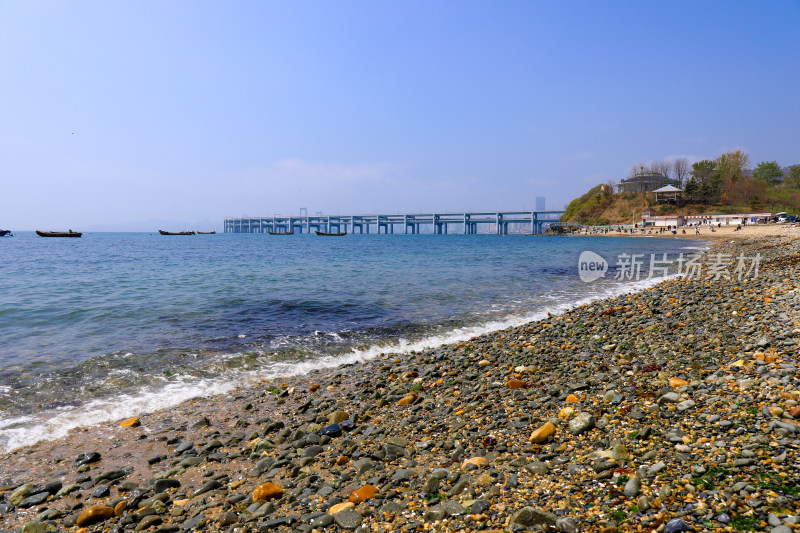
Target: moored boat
162	232
206	232
281	233
327	234
69	233
6	233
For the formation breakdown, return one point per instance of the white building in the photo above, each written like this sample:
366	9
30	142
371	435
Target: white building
715	219
663	221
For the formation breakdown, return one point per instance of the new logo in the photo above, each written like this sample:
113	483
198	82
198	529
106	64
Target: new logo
591	266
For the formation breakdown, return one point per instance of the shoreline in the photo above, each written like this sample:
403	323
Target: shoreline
456	437
725	232
26	429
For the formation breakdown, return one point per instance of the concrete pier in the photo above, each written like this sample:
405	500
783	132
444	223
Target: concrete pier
472	223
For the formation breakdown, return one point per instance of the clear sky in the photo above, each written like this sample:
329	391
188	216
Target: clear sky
120	115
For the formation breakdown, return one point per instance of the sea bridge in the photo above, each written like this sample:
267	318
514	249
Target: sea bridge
468	223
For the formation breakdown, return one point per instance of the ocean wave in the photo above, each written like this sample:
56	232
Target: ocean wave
25	430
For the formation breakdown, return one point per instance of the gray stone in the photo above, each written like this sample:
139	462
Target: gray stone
435	513
38	527
184	446
110	475
148	521
656	468
528	516
632	487
313	451
567	524
431	485
196	522
480	506
101	492
347	519
582	423
163	484
643	502
206	487
537	468
676	525
670	397
323	520
191	461
452	508
34	499
363	466
21	493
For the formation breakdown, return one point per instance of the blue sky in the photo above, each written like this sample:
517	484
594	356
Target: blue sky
120	114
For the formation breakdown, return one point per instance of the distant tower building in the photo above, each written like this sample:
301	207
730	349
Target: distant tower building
540	203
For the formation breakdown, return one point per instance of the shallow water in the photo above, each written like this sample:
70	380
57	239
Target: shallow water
111	324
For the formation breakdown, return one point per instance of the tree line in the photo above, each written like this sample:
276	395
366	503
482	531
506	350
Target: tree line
728	178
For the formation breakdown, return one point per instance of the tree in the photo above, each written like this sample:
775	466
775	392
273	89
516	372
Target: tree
769	172
691	187
732	166
706	181
793	177
680	170
704	170
661	167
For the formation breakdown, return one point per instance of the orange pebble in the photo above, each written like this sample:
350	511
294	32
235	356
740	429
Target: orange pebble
364	493
266	492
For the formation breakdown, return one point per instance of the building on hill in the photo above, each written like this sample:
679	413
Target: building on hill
645	181
668	193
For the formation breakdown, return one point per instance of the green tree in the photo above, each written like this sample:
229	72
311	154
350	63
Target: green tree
793	177
703	170
731	166
769	172
706	179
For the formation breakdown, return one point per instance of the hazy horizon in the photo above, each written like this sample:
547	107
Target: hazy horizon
118	115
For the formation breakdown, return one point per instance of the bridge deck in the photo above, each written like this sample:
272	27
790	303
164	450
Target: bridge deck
440	223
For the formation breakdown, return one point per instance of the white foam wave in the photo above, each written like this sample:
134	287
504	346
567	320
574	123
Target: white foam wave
17	432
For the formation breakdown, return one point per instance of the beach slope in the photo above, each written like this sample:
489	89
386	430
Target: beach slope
674	406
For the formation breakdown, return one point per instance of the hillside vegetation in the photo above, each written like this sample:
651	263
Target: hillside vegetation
723	185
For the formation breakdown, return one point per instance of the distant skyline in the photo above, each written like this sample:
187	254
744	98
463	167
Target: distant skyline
121	115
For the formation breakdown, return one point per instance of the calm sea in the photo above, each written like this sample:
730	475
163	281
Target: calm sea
114	324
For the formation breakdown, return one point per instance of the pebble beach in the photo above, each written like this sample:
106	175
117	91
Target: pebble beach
671	409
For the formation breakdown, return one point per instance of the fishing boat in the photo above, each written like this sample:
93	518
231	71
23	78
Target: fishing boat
69	233
281	233
162	232
326	234
6	233
206	232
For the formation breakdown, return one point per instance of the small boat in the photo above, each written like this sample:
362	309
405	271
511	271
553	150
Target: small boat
206	232
326	234
69	233
6	233
162	232
281	233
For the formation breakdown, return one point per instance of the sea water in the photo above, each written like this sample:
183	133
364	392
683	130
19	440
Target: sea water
114	324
